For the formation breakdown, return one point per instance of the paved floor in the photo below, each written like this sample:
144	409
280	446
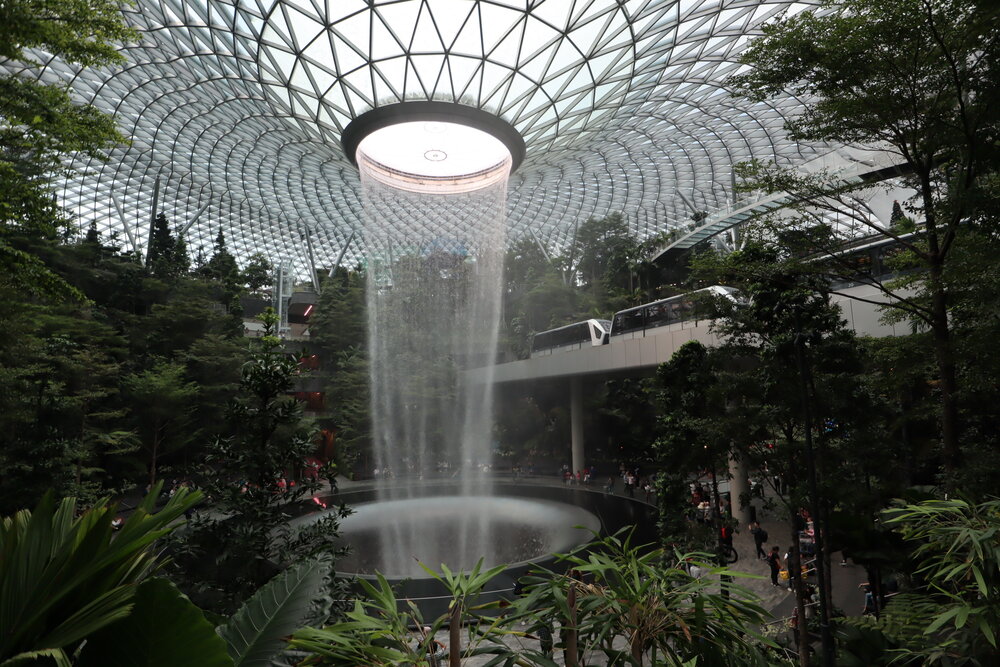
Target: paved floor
846	592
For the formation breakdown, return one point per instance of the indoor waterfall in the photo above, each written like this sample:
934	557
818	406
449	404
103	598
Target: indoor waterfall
433	309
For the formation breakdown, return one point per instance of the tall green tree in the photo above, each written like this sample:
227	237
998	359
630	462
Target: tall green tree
604	256
256	475
60	414
213	364
161	399
257	273
920	78
526	265
339	336
40	125
167	256
691	404
802	387
222	265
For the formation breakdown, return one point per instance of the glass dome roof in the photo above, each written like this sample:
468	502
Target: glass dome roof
236	109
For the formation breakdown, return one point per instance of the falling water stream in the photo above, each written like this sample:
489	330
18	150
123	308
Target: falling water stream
434	309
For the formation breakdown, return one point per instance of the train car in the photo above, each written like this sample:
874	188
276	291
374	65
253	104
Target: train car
579	334
863	261
681	308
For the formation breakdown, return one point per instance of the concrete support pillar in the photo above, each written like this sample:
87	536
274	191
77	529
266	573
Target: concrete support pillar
739	487
576	422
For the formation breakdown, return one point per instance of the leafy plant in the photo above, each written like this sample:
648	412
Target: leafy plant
646	597
374	633
163	629
953	616
255	476
64	577
378	631
259	629
622	592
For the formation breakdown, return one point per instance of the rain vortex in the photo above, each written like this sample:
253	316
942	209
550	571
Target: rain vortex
434	290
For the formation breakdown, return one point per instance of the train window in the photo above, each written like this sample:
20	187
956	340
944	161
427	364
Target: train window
631	320
892	259
859	265
657	314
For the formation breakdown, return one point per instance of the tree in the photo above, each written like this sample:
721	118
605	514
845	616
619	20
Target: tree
339	331
60	414
693	421
258	272
802	388
221	265
604	256
603	246
340	322
213	364
525	266
646	597
349	403
186	314
917	77
40	125
160	401
161	247
256	475
626	422
167	256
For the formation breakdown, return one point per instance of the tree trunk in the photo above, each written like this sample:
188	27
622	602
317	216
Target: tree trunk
827	580
948	381
152	457
940	328
569	631
455	637
795	577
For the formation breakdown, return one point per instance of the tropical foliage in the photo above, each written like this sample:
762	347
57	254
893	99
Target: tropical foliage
618	605
950	613
64	576
929	98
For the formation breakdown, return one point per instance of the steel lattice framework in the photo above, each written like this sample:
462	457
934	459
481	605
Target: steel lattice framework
235	109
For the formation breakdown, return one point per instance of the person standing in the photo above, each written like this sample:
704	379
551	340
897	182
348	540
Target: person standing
759	538
726	535
774	562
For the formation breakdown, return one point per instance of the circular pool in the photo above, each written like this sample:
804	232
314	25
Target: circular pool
437	529
529	524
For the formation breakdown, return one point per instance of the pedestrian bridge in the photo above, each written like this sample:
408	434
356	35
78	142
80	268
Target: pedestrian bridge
640	352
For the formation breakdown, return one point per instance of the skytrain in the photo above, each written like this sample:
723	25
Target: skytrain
579	334
593	332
